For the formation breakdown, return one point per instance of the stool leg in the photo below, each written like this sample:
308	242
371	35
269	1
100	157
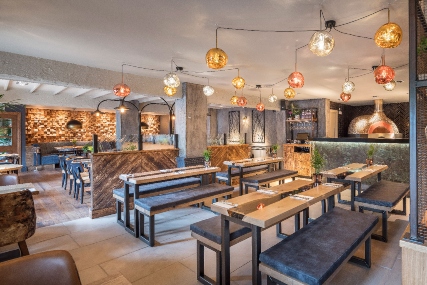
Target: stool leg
368	252
83	192
218	267
23	247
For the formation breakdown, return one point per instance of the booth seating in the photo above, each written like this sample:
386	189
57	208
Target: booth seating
150	206
257	180
314	254
382	197
47	268
208	234
45	153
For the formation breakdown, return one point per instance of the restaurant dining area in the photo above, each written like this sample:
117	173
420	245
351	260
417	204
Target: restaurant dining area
199	142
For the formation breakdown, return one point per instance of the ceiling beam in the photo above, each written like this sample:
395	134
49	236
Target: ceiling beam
6	85
83	92
36	85
100	94
60	90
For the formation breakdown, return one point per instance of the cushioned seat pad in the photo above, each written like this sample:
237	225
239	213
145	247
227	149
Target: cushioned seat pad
173	199
211	229
384	193
159	186
313	253
235	172
268	176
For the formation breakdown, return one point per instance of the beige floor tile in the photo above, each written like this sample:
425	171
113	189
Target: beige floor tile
46	233
90	235
97	253
174	274
59	243
87	223
92	274
352	274
149	260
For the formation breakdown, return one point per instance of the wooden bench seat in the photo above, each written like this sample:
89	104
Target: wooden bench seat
208	234
150	206
223	176
152	189
266	178
382	197
314	254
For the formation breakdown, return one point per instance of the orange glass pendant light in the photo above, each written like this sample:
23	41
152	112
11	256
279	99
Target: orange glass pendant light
296	79
383	73
345	97
121	89
289	93
242	101
238	82
216	58
388	35
260	106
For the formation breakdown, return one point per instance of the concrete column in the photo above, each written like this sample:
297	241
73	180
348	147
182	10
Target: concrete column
127	124
190	123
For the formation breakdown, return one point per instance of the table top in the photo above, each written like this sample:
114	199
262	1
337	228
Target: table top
333	173
367	172
126	177
277	211
169	174
10	167
68	147
9	155
18	187
253	161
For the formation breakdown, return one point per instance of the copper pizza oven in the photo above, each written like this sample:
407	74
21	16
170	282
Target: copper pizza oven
377	125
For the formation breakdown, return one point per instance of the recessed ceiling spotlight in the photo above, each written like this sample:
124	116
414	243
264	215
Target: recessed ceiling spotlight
21	83
399	81
339	99
374	96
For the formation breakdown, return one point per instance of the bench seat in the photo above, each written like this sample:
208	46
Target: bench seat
208	234
268	177
150	206
235	172
382	197
313	254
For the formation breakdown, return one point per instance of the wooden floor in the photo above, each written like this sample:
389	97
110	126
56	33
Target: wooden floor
53	204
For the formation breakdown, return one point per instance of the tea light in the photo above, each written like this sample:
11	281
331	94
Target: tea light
260	206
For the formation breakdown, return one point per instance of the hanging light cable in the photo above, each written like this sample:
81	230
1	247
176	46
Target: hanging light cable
216	58
388	35
348	85
208	90
322	43
171	79
121	89
296	79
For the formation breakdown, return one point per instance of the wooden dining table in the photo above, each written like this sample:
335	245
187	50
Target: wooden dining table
18	187
250	162
137	179
242	210
353	174
6	168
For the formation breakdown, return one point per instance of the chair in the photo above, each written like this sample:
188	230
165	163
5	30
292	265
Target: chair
69	174
47	268
81	179
17	219
9	179
64	171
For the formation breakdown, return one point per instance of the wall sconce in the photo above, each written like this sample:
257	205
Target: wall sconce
245	119
339	111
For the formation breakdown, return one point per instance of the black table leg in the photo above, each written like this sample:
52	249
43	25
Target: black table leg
379	176
135	212
225	250
353	193
256	251
240	181
126	217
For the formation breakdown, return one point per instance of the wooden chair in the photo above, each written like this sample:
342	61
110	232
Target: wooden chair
17	219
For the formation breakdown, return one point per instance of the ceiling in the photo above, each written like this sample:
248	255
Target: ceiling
108	33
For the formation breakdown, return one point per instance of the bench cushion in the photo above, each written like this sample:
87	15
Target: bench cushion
235	171
383	193
313	253
211	229
173	199
159	186
268	176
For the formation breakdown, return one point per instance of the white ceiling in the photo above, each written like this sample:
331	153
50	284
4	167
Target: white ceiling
107	33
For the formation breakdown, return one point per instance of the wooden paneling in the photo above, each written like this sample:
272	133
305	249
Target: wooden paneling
221	153
106	168
300	161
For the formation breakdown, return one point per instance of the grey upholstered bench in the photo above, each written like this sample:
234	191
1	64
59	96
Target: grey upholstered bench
314	254
266	178
152	189
208	234
153	205
382	197
234	172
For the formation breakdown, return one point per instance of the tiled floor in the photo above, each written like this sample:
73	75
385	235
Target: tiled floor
103	251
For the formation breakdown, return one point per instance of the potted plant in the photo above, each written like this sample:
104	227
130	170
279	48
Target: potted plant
369	155
274	149
317	163
207	154
87	148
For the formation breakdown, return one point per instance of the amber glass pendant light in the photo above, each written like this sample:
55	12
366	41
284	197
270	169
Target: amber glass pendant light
238	82
170	91
388	35
289	93
233	100
216	58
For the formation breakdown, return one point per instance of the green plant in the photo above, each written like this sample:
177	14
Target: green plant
295	110
422	46
207	154
87	148
274	148
74	142
317	161
130	147
371	151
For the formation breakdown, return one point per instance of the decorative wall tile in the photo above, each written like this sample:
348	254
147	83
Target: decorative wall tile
258	126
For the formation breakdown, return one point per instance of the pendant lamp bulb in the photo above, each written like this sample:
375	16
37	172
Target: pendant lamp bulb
348	85
216	58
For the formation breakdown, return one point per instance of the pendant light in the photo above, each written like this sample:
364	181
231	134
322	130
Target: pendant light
170	91
216	58
383	73
345	97
260	106
242	101
388	35
73	124
390	86
208	90
295	79
289	93
122	107
322	43
121	89
171	79
233	100
238	82
272	98
348	85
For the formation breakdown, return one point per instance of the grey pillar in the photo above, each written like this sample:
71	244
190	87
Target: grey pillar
190	120
127	124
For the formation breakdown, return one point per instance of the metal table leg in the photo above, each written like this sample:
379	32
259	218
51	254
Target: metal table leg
256	251
225	250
